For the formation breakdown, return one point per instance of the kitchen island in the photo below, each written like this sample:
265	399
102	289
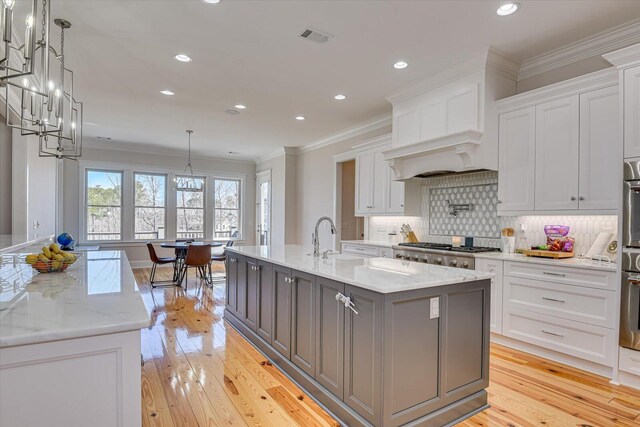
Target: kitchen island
70	343
376	341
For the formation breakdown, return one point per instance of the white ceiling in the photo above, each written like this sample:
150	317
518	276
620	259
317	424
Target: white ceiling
248	52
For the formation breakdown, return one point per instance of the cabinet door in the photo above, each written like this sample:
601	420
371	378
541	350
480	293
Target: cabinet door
232	283
380	182
282	310
329	336
264	324
632	112
600	149
303	342
363	353
251	294
394	194
557	151
241	310
516	185
494	267
364	182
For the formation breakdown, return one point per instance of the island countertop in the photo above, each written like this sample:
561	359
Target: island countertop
95	296
383	275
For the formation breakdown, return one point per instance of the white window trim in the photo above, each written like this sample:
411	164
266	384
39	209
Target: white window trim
240	204
84	207
166	190
127	226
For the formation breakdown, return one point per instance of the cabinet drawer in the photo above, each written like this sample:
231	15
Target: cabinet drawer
559	274
630	361
588	342
593	306
360	250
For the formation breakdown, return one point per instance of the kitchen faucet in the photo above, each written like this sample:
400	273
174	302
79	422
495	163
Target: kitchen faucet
315	239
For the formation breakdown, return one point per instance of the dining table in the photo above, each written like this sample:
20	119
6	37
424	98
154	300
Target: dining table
181	249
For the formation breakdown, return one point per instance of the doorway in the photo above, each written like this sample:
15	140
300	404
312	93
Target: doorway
352	227
263	208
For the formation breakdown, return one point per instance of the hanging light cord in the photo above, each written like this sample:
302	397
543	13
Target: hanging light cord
189	162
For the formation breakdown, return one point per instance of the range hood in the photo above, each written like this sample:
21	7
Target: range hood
447	122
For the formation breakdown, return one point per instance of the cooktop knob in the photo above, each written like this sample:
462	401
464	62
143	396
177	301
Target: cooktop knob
465	264
438	261
453	263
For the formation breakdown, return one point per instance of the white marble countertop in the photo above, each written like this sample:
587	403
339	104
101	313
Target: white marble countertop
378	243
95	296
384	275
13	242
567	262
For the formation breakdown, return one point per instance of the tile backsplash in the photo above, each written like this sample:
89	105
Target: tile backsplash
483	223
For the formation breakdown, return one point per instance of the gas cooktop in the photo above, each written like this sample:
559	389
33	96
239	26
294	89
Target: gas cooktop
447	247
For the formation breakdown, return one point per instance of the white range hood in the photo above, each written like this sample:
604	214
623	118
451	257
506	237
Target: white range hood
447	122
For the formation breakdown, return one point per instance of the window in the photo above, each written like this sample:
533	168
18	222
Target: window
104	205
190	207
149	206
226	208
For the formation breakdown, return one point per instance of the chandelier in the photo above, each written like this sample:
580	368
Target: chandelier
16	59
188	183
48	107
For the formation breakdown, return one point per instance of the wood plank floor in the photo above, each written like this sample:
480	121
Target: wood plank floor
198	371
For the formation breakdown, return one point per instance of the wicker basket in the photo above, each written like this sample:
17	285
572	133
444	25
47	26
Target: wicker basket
51	266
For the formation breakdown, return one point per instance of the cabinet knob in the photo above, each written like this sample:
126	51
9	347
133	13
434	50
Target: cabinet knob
499	201
402	206
581	198
573	198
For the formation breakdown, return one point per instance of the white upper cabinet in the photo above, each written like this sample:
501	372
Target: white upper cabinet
632	112
557	145
517	160
364	182
560	149
600	149
395	195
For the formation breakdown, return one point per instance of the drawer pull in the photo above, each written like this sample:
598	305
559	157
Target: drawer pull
552	333
553	299
634	280
548	273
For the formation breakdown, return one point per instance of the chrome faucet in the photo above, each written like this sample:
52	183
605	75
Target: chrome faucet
315	239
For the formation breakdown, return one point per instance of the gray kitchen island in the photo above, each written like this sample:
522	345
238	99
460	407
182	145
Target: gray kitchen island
376	341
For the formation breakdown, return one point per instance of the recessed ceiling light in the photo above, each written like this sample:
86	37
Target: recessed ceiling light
182	57
240	106
507	9
301	118
232	112
400	65
211	1
340	97
167	92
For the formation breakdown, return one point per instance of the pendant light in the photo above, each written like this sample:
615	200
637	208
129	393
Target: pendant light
16	52
188	183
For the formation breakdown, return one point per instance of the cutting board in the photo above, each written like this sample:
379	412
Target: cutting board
548	254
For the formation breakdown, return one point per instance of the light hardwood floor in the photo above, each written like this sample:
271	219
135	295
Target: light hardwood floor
198	371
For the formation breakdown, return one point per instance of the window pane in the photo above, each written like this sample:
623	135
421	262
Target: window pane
149	223
103	223
190	223
190	199
104	188
150	190
227	194
226	223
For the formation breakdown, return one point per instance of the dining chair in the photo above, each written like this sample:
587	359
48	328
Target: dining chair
199	257
156	260
220	257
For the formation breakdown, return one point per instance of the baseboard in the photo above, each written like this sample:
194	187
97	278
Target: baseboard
574	362
629	380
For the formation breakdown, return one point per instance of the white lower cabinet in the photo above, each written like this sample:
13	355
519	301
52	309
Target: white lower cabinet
369	251
570	310
495	267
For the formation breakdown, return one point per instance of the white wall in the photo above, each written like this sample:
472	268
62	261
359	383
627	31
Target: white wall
5	177
34	189
137	251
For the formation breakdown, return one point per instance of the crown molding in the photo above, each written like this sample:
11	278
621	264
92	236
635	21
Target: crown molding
143	149
593	81
361	129
598	44
626	57
489	58
373	142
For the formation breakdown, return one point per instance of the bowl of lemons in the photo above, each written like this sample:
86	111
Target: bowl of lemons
51	259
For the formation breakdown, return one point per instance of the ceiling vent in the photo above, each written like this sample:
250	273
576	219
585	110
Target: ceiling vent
317	36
